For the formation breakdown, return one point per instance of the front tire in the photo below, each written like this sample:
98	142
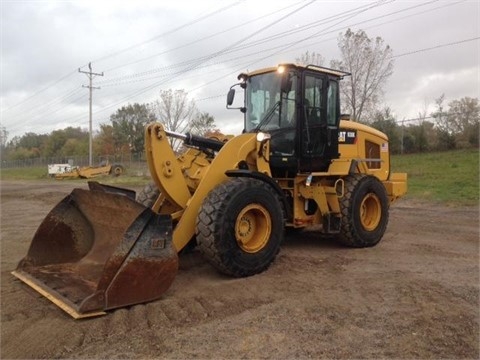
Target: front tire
148	195
239	227
364	208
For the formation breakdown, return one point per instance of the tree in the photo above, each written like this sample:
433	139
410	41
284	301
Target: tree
445	134
3	137
128	126
310	58
74	147
31	140
55	142
104	142
175	111
370	63
385	122
440	115
464	117
202	124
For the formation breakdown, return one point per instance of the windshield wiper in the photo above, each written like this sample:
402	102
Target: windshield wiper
268	116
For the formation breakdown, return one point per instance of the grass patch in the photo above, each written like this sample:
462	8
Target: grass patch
24	173
41	173
449	177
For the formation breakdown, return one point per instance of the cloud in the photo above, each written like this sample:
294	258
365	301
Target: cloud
144	46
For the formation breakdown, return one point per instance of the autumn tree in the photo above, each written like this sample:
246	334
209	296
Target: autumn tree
104	142
369	61
175	111
128	126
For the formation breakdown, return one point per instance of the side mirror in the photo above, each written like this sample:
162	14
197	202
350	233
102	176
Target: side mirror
230	97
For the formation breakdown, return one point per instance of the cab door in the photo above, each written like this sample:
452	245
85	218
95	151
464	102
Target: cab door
319	119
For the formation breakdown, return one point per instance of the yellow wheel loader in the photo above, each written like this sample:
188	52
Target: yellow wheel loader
296	164
88	172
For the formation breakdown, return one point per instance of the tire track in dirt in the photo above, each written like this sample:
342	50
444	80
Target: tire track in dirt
415	295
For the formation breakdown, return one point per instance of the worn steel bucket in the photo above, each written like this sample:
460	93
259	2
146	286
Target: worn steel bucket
97	250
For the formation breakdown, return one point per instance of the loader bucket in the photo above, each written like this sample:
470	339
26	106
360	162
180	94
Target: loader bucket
97	251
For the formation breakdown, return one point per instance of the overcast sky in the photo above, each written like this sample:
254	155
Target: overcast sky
143	47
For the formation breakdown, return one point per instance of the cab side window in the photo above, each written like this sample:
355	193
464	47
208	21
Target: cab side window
313	99
332	110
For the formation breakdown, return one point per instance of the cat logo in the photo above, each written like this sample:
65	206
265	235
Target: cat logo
347	137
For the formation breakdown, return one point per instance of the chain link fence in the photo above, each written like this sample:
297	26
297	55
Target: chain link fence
134	164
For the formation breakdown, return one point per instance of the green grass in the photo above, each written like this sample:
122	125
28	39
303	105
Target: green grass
24	173
448	177
40	173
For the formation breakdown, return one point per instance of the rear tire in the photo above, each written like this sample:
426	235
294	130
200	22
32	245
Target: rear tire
364	208
117	170
240	227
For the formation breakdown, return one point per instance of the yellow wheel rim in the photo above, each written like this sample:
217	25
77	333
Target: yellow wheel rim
370	212
253	228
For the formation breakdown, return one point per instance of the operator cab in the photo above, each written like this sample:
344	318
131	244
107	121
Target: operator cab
299	107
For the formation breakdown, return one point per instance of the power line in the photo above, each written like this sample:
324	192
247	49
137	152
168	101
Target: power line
260	41
234	48
436	47
194	21
285	33
290	32
202	60
205	59
204	38
361	9
271	37
40	91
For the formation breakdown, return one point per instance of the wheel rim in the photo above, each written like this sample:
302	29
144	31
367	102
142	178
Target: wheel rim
370	212
253	228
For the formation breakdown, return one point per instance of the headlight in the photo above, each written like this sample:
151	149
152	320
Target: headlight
262	136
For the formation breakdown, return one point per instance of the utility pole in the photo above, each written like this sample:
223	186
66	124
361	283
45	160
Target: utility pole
403	129
90	76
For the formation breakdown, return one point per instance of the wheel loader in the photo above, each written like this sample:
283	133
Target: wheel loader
296	164
88	172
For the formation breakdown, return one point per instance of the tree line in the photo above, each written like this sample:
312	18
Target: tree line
124	134
446	128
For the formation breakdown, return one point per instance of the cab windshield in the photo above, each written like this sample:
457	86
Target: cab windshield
268	107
